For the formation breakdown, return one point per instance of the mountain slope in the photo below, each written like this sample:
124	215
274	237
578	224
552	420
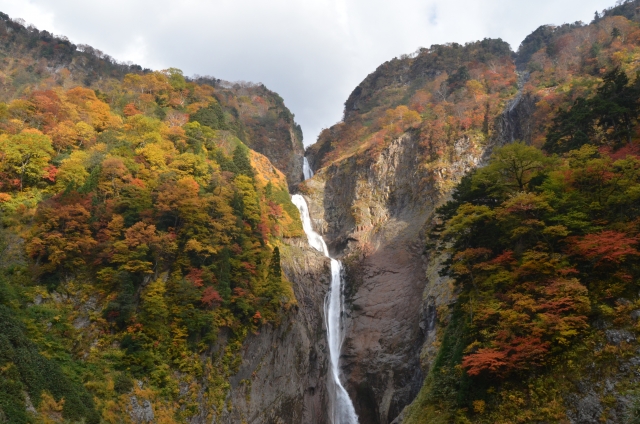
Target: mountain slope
37	60
411	132
142	241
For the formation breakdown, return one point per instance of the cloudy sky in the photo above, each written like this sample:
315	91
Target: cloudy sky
312	52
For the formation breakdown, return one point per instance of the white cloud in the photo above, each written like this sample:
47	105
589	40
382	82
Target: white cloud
312	52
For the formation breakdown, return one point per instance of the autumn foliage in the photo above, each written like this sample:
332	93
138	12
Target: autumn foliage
541	248
430	95
132	195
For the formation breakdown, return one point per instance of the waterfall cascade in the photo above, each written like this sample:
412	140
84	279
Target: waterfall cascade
343	410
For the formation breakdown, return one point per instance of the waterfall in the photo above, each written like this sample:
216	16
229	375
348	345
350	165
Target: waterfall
343	410
306	169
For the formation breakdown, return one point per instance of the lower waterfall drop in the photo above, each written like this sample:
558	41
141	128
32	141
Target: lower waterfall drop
343	410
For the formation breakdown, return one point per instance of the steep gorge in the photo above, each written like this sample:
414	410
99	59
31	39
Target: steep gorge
392	304
411	131
373	208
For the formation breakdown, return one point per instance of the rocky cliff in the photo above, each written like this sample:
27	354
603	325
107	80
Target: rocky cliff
373	207
375	214
265	124
282	378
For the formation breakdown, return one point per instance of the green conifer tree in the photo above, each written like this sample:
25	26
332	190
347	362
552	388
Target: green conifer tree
242	161
224	278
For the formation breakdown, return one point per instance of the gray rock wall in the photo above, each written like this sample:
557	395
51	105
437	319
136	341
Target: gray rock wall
282	378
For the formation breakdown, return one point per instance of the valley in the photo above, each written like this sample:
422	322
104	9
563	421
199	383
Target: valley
462	247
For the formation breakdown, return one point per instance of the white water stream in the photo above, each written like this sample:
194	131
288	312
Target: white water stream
343	410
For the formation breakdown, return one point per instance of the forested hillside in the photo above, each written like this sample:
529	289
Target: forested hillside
37	60
445	93
543	246
135	224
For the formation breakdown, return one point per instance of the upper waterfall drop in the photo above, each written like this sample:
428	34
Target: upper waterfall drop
306	169
315	239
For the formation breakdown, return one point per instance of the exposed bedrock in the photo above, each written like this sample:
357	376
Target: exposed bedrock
282	378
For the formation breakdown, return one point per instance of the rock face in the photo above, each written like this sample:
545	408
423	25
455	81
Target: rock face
285	152
516	121
141	412
270	129
373	214
282	378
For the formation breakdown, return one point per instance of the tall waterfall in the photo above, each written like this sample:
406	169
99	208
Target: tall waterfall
343	410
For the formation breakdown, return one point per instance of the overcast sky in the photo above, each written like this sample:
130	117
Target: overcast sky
312	52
